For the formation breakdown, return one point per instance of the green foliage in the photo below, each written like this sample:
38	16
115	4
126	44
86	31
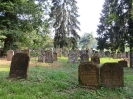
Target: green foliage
64	18
87	41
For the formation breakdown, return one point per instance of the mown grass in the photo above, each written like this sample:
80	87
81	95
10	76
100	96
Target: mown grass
59	80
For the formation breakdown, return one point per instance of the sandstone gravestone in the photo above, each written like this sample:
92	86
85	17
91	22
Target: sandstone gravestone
123	63
19	66
10	54
111	75
72	57
48	56
59	52
54	56
66	53
95	58
88	75
84	58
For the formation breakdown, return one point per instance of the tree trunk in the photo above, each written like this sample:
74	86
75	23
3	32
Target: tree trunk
7	43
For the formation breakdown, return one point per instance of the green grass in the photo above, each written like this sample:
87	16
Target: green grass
60	82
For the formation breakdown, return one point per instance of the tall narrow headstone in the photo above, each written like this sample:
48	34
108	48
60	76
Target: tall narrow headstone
111	75
19	66
10	54
88	75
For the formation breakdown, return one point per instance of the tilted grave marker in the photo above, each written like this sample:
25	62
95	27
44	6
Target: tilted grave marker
19	66
111	75
10	54
88	75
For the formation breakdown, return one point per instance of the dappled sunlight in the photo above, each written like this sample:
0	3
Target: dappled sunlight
4	69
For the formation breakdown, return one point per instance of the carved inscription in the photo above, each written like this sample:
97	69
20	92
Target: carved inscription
88	74
111	75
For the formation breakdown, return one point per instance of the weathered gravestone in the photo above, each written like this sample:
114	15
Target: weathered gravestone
66	53
95	58
19	66
54	56
59	52
111	75
10	54
88	75
48	56
72	57
84	58
123	63
41	58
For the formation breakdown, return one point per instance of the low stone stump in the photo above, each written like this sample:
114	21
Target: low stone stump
111	75
84	58
88	75
123	63
19	66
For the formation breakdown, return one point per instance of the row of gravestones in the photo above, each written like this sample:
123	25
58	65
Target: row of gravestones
109	75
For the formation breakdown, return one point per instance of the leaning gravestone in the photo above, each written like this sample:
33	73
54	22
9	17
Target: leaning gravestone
88	75
72	57
19	66
10	54
84	58
123	63
111	75
48	56
54	56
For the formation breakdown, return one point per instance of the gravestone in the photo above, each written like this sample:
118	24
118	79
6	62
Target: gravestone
59	52
48	56
73	56
41	58
123	63
95	58
19	66
10	54
66	53
54	56
88	75
84	58
111	75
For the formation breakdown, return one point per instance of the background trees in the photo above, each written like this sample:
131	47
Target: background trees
64	14
18	19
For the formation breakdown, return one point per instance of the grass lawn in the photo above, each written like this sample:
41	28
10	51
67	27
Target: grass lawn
58	80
